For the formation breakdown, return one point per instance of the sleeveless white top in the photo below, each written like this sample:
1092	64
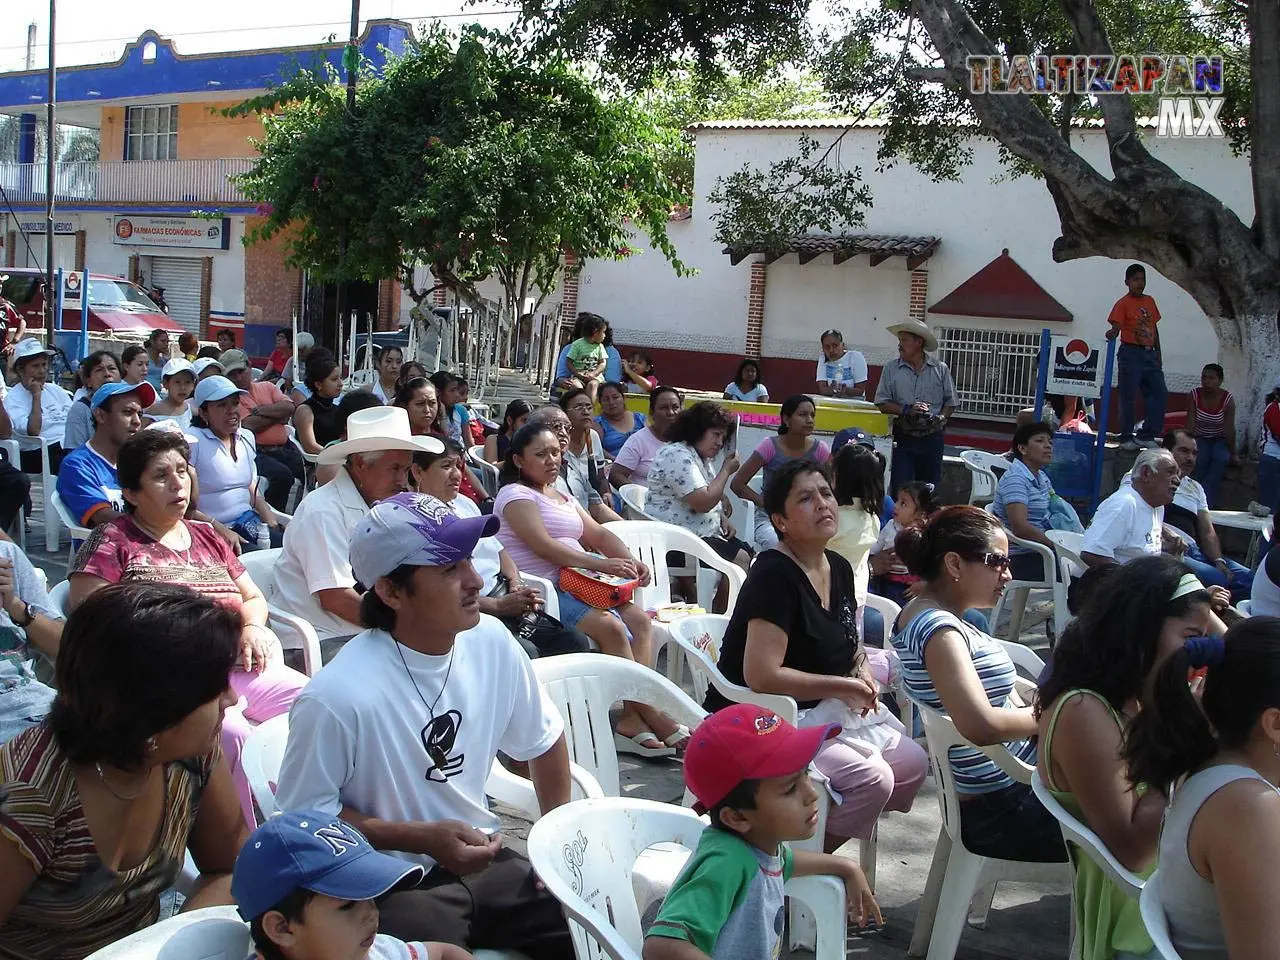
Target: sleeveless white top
1189	901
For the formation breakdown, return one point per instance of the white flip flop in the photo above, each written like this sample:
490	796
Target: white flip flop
634	745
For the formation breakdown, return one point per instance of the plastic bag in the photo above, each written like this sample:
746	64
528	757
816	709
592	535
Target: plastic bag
1077	424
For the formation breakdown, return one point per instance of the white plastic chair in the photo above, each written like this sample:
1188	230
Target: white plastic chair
78	533
1068	545
18	531
58	598
294	632
280	518
1153	918
486	471
585	853
985	470
649	542
634	498
550	599
52	524
1079	838
1021	589
263	753
956	874
214	933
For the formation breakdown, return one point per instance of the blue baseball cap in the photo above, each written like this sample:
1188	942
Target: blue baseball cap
146	392
852	435
215	388
316	852
416	529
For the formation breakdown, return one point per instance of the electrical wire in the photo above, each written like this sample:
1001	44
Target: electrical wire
506	11
31	254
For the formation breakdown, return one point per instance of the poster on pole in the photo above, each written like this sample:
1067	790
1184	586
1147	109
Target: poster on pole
1075	367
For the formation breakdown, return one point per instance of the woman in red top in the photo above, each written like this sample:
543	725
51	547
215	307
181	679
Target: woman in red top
155	543
280	355
1211	419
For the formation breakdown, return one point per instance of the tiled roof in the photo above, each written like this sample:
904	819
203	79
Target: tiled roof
1002	289
878	246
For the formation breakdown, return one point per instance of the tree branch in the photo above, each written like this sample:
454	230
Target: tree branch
1264	57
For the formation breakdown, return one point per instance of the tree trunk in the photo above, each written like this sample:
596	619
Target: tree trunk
1249	351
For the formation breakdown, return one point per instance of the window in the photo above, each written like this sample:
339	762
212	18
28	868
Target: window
152	133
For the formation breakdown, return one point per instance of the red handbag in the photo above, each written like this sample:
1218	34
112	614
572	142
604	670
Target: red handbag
600	590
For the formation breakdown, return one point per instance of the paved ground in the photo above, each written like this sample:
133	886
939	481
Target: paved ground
1027	922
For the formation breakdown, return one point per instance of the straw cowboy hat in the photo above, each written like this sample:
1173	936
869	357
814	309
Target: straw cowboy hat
917	327
378	428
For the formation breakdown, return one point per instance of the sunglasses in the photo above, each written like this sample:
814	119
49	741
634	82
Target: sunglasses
996	561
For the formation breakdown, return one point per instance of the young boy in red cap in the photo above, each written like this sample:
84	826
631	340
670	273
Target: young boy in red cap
749	768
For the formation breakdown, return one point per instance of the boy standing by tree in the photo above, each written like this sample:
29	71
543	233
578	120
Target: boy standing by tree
1133	319
750	769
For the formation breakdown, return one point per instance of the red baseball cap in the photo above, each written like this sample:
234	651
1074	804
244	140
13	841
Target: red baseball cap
746	742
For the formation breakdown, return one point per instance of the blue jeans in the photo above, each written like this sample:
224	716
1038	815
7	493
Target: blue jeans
1268	481
1238	579
916	458
1212	455
1140	373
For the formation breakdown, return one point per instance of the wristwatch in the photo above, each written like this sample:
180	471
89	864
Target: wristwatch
27	613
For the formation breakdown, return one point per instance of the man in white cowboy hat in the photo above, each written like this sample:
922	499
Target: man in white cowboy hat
37	407
917	390
314	578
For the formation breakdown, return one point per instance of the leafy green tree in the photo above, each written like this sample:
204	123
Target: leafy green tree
477	156
909	57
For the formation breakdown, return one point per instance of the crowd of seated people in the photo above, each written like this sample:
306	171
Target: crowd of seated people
125	706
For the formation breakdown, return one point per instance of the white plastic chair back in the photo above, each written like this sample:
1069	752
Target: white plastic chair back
633	501
485	471
699	638
985	470
550	599
260	757
13	453
650	542
477	453
1154	919
1080	838
77	533
585	853
1068	544
58	598
214	933
280	518
887	609
583	686
1020	589
294	632
261	567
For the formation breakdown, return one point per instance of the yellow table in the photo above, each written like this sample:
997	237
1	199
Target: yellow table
833	415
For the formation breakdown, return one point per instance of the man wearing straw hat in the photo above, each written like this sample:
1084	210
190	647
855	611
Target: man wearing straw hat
314	578
917	390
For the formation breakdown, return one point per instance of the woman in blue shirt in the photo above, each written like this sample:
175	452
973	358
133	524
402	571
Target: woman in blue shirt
1022	497
616	422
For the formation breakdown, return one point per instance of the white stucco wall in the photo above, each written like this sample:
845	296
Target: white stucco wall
975	218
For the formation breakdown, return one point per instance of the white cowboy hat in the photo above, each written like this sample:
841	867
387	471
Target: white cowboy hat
917	327
378	428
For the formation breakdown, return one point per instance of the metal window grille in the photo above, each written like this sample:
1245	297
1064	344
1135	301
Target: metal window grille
994	370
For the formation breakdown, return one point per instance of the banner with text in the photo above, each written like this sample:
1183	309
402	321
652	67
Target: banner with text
172	232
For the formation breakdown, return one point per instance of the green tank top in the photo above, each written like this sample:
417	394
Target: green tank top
1107	921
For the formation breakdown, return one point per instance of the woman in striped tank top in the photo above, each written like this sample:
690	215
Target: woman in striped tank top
99	802
1211	419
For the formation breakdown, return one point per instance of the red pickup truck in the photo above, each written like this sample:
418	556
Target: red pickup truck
115	304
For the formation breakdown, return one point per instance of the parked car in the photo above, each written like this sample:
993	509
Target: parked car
116	305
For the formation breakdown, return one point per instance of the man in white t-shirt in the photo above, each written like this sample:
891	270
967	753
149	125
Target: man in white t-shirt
841	372
1128	523
399	732
314	578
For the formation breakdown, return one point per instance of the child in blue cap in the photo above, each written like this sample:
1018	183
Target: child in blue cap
307	883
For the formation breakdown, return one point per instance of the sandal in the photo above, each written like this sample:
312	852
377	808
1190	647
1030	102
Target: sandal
635	745
678	739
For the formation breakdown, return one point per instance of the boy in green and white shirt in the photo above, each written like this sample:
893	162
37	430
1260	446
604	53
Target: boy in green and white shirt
749	768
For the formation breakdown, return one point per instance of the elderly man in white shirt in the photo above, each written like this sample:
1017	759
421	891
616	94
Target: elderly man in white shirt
1129	523
314	578
37	407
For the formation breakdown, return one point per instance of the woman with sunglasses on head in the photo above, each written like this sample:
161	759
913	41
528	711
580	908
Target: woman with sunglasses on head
962	557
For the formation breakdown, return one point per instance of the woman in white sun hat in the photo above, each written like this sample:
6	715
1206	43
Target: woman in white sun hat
37	406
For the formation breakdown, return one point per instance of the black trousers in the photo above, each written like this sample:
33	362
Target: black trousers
15	493
281	466
31	462
502	907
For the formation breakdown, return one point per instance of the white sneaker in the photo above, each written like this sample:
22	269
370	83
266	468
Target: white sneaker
1258	510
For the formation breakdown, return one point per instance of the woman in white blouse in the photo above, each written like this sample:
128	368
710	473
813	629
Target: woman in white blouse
686	488
37	407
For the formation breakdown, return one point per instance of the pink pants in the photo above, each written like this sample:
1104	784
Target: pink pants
262	696
871	780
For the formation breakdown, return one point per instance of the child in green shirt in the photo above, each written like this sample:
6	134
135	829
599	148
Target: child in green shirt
587	357
749	768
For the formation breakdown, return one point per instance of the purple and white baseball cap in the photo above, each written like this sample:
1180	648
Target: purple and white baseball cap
414	529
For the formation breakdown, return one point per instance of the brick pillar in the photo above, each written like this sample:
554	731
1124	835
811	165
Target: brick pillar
440	297
569	293
919	293
755	309
206	294
80	250
388	304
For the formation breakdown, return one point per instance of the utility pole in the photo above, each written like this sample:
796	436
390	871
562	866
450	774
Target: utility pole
31	45
351	61
51	162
